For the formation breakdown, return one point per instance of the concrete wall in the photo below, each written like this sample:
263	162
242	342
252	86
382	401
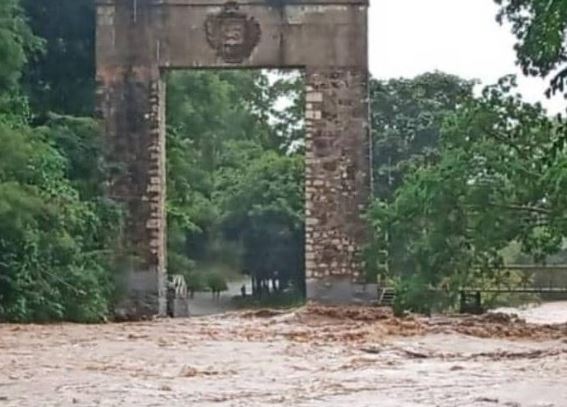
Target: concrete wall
307	33
138	39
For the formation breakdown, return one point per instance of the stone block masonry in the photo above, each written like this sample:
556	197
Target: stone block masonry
338	183
135	146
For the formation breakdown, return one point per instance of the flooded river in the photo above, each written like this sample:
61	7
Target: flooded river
310	357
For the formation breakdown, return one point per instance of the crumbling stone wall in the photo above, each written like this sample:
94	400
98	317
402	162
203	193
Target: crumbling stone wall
132	105
138	39
337	180
135	147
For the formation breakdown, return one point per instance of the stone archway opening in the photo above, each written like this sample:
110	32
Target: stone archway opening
235	155
139	40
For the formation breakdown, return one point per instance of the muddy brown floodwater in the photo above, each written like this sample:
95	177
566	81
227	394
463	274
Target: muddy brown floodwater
314	356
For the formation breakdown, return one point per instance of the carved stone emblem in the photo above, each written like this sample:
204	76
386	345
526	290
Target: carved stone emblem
232	34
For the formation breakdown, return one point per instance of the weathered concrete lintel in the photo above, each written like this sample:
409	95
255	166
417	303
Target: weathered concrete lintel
174	37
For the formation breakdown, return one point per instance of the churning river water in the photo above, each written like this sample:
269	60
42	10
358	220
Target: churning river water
309	357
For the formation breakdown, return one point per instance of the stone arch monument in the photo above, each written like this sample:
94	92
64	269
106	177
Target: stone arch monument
138	40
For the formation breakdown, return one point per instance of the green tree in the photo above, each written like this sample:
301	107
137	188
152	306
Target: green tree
50	240
498	181
540	27
55	227
262	204
219	123
407	115
62	79
16	41
206	110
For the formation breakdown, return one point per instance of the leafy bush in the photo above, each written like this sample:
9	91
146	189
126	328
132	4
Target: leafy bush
51	241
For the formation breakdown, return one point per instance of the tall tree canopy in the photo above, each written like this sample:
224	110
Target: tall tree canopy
498	180
61	79
56	228
16	40
230	172
407	115
541	29
262	202
407	119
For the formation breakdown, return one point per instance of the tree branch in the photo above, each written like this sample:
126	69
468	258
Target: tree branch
516	207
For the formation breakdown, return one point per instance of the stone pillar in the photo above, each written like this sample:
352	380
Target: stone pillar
338	180
131	103
132	107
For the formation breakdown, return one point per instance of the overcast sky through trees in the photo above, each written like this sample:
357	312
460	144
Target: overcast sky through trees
462	37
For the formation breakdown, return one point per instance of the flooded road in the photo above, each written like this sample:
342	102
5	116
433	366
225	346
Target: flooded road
310	357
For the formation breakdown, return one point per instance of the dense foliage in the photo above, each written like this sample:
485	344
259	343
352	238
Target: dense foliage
61	79
235	195
498	180
52	235
407	118
407	115
480	176
54	224
541	29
